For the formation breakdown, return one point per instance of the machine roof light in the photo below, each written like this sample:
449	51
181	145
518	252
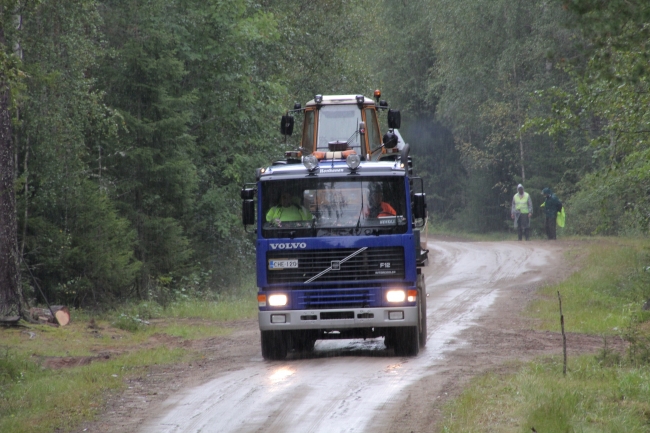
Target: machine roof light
310	162
353	161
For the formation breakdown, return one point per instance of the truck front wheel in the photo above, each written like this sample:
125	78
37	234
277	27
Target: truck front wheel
274	345
406	341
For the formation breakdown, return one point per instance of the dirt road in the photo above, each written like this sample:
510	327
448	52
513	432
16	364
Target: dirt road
476	292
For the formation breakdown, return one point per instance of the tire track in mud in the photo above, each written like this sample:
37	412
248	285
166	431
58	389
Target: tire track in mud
469	291
463	283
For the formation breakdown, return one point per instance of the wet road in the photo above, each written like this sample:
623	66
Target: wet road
349	385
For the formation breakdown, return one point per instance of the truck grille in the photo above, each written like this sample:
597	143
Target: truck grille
336	298
347	264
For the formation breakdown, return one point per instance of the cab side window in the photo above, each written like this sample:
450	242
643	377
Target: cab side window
372	129
308	133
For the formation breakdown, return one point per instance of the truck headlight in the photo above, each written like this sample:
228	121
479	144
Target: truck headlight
395	295
278	300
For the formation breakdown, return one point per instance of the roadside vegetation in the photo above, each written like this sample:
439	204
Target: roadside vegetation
603	392
38	395
445	229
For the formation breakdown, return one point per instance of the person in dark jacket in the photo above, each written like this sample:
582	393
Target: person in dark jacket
552	205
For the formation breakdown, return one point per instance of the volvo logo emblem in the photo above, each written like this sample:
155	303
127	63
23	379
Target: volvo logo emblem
289	246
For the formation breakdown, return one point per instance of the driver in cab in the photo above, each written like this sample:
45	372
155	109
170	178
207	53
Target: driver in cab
377	207
287	210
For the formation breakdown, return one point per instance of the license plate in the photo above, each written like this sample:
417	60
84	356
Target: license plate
279	264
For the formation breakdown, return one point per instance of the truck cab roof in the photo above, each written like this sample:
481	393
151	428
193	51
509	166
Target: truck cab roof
331	168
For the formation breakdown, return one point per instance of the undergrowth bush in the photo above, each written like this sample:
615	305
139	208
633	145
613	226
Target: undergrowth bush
13	367
129	323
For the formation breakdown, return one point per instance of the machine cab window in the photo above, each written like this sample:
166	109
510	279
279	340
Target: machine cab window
339	123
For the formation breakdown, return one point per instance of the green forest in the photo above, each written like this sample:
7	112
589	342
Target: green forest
128	128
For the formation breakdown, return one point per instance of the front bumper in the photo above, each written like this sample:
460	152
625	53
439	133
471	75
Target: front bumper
338	319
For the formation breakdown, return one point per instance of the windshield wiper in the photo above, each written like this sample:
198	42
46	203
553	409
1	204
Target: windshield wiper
360	211
352	137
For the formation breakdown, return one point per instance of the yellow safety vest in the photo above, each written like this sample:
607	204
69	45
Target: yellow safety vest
521	202
291	213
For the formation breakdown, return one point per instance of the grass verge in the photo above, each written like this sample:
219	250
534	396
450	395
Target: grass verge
608	392
34	397
591	398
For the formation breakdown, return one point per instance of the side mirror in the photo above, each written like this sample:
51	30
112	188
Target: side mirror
247	193
394	119
286	126
248	212
419	206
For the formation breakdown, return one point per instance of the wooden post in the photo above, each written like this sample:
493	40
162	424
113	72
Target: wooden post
563	334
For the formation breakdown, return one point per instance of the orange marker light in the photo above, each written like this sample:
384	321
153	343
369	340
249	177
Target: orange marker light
261	300
411	295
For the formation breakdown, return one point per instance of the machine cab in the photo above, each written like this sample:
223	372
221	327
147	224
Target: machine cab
346	124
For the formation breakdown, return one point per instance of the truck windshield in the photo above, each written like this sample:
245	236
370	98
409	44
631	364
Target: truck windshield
338	123
333	207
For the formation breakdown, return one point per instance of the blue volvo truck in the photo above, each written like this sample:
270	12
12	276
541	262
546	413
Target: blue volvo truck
338	225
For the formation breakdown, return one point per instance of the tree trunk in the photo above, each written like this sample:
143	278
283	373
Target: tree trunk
519	123
10	290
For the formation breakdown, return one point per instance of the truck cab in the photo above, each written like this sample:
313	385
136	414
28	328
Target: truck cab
338	252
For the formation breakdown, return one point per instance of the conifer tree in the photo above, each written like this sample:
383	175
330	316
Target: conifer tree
10	288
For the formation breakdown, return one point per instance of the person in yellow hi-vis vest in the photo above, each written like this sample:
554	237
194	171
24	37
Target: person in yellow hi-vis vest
287	210
521	212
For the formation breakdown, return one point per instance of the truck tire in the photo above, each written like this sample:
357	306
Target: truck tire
274	345
407	341
304	341
422	289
